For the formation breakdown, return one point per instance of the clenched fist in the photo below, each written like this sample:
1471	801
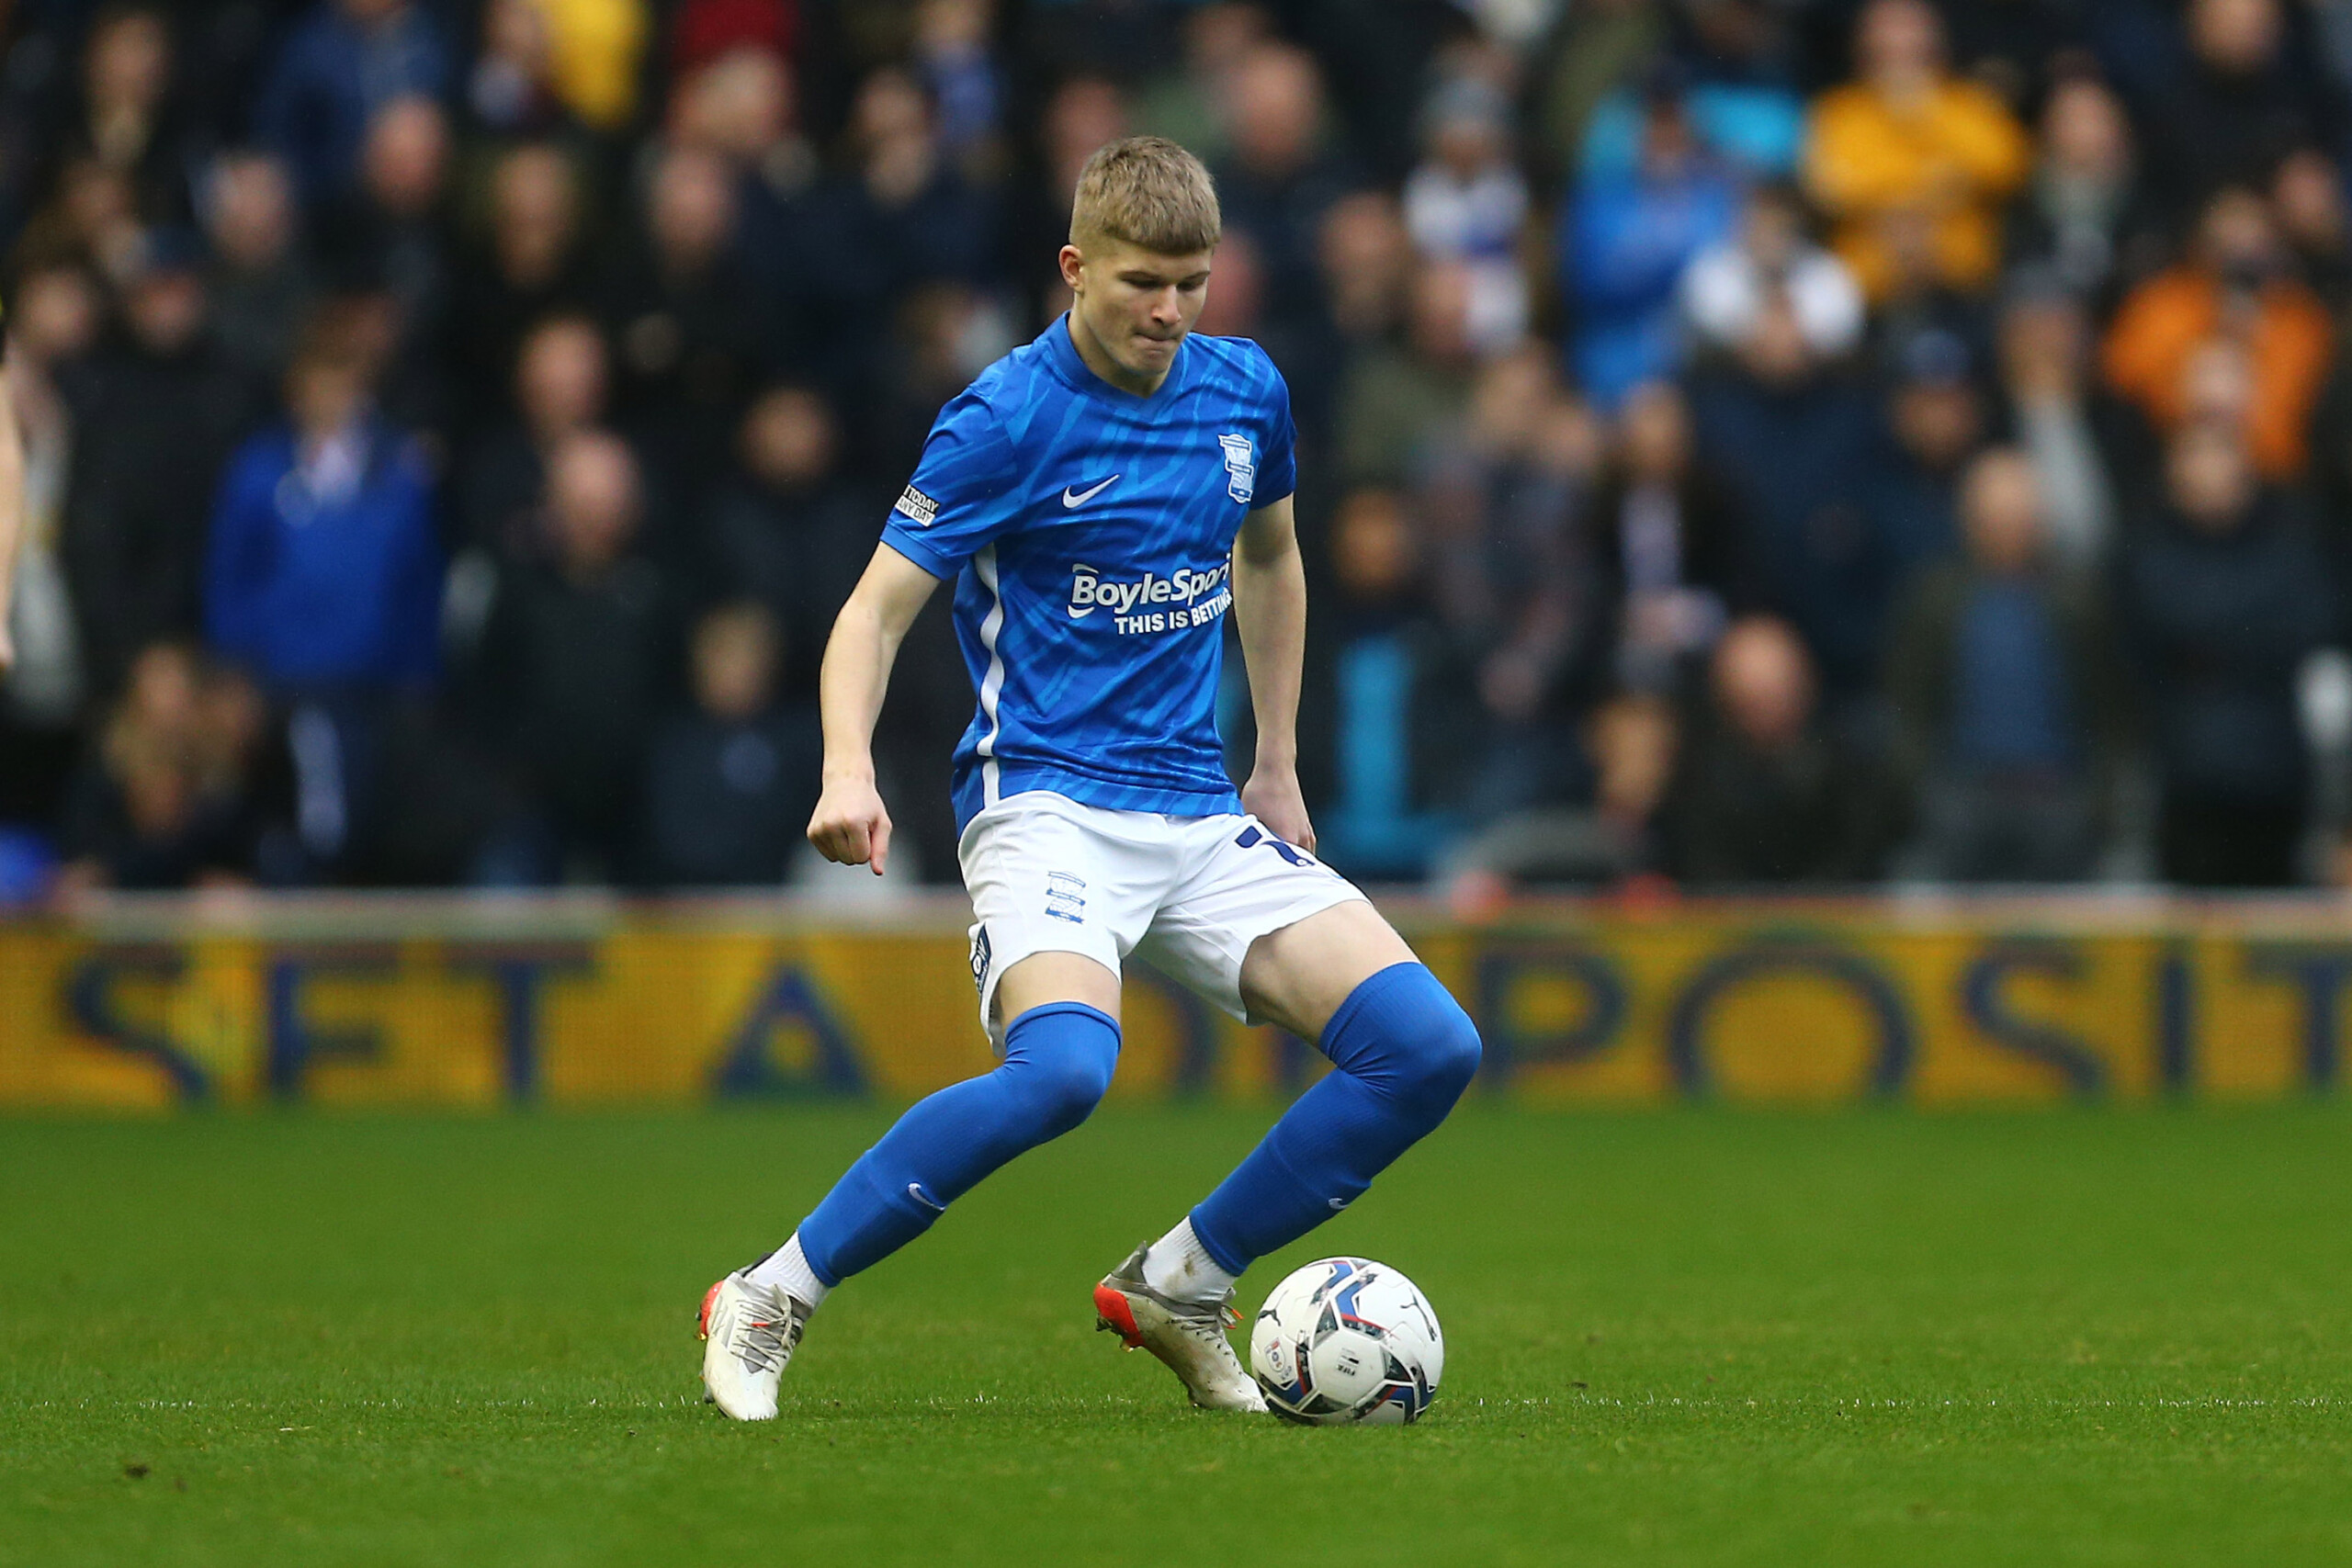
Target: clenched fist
851	825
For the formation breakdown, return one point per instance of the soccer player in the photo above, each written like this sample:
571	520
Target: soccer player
1103	499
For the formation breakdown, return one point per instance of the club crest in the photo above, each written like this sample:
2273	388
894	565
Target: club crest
1241	466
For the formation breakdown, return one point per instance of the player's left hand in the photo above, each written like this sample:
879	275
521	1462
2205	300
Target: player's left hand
1273	796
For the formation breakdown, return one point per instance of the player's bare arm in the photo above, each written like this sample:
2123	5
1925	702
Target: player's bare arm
1299	976
1269	611
850	825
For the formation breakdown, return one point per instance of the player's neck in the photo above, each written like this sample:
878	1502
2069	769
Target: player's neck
1097	358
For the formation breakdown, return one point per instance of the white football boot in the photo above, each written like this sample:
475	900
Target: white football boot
749	1334
1188	1335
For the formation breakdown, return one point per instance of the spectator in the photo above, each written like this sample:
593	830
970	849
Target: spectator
1234	307
1762	792
2307	197
259	282
2061	420
742	106
162	801
1669	547
2084	217
575	661
1280	182
536	265
391	239
1498	502
945	335
510	91
91	221
1796	446
2008	696
1083	113
2236	286
1187	104
1633	739
953	59
901	217
1466	202
126	121
1393	399
2225	593
1726	285
1382	674
689	320
154	417
787	530
1365	256
1624	244
1935	417
342	64
729	786
1906	150
2243	103
324	575
560	383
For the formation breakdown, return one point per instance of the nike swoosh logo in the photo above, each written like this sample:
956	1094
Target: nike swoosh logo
1075	498
914	1190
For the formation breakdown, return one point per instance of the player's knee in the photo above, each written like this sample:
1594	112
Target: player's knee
1065	1092
1418	1046
1061	1058
1441	1061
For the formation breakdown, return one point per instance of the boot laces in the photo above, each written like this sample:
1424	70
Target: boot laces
763	1343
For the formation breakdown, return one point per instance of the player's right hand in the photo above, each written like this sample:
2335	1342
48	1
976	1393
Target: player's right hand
852	827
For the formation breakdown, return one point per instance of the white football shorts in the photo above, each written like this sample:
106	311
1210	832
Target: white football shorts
1187	894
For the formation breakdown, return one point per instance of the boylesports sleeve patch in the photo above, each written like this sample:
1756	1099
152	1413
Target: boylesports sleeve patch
918	508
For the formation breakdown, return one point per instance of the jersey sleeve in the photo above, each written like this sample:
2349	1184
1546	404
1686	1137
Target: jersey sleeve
1278	466
963	494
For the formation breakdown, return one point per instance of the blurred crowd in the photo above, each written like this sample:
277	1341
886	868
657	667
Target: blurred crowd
1743	442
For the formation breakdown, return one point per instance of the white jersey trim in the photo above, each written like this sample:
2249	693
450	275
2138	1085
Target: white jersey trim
992	685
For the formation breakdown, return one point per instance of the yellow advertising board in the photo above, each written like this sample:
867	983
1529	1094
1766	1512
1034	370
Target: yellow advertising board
148	1005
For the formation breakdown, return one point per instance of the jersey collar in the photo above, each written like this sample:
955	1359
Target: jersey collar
1070	367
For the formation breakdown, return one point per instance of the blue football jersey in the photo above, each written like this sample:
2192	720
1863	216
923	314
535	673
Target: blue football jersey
1089	533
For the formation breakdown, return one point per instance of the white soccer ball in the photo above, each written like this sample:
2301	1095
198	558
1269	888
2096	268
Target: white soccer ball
1346	1339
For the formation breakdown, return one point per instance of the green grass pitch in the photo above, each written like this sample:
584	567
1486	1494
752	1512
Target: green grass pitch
1681	1338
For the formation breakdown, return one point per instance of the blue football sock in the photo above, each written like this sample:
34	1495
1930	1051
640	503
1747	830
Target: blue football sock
1057	1062
1404	1051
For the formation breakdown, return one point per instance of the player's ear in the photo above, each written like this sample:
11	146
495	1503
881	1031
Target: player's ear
1073	263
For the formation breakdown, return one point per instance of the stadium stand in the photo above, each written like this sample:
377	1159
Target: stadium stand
1744	443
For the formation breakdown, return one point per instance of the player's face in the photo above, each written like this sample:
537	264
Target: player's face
1137	305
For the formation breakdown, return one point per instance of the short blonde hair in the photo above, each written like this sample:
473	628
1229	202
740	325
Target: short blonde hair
1149	192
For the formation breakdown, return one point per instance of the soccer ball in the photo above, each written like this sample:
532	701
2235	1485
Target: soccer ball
1347	1340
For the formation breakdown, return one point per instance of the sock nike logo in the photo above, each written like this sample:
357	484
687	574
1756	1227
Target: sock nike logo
915	1191
1075	498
